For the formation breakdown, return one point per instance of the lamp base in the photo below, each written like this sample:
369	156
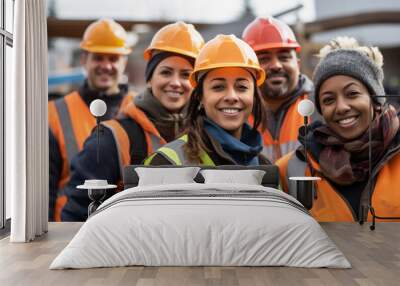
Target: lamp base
97	196
304	190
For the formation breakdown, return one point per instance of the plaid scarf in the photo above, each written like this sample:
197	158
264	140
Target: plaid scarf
346	162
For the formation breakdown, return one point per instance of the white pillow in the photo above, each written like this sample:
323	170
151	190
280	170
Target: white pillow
248	177
166	176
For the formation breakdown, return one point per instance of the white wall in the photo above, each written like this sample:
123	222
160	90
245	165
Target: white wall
8	93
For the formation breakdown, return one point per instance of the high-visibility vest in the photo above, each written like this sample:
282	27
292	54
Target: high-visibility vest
329	205
174	153
121	137
71	122
275	148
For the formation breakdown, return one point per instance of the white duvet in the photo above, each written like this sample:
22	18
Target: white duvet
201	224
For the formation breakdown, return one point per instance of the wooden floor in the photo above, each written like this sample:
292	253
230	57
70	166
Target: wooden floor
375	257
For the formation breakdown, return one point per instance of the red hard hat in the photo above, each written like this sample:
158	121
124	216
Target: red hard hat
269	33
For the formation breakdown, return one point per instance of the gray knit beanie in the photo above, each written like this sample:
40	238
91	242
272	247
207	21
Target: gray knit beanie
361	63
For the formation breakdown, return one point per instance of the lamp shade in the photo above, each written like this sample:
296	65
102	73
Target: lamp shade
305	107
98	107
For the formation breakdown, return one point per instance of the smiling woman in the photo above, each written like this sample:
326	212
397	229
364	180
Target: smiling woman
228	98
225	80
170	83
346	106
348	83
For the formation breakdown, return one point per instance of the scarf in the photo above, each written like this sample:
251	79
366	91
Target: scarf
346	162
243	151
168	124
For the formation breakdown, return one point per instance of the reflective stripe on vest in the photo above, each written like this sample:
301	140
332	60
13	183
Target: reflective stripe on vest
286	141
279	150
122	142
330	204
126	101
153	142
132	111
71	145
76	123
175	153
153	137
71	123
148	160
121	139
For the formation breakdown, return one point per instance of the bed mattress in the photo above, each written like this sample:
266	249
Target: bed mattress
201	225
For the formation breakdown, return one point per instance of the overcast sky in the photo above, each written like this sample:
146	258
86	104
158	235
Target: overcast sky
210	11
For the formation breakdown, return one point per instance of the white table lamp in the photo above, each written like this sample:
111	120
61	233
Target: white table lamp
98	108
304	185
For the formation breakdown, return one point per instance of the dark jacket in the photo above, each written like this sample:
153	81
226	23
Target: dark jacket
137	124
85	166
59	140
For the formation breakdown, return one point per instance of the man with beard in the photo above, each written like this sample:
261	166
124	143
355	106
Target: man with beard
104	58
276	48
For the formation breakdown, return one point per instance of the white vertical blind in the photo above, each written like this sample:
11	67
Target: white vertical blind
26	130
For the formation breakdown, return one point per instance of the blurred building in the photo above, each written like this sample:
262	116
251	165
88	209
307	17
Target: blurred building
371	22
379	30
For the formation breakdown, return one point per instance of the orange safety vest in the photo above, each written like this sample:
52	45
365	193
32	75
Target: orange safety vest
329	205
275	148
152	136
71	122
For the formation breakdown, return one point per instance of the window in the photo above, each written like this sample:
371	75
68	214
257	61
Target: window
6	44
9	15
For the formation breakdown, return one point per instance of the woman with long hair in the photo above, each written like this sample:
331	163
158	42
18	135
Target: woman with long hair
225	80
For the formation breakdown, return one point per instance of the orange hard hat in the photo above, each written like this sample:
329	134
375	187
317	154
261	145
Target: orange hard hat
269	33
227	51
179	38
105	36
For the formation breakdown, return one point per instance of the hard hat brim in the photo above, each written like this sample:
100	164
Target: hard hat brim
107	50
264	47
259	71
147	52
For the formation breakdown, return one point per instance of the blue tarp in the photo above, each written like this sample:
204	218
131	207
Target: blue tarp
74	77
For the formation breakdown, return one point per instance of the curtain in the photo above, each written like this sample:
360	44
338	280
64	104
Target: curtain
26	124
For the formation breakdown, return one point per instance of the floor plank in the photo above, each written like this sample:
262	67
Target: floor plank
375	257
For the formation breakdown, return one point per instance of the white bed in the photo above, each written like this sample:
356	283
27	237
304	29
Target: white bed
196	224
